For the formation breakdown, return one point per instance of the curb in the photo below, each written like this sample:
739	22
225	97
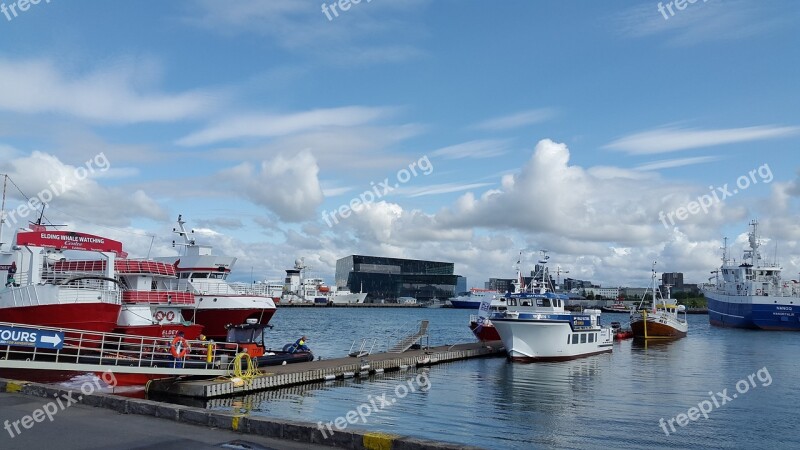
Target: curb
260	426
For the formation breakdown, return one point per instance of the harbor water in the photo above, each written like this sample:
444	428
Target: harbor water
739	386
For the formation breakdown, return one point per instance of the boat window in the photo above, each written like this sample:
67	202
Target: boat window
567	339
526	303
184	275
199	275
591	337
217	276
574	338
546	302
512	302
583	338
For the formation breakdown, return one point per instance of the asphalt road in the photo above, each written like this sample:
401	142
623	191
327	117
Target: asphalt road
83	427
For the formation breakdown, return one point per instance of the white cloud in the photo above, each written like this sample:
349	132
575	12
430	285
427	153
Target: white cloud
680	162
517	120
287	185
104	96
670	139
484	148
272	125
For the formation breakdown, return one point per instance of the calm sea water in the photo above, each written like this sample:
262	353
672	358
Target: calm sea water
613	400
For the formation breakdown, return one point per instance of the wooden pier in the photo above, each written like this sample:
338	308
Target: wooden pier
274	377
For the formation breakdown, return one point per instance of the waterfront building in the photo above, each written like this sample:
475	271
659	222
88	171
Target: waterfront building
387	279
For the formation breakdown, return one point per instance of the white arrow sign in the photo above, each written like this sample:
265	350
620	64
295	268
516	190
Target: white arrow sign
55	340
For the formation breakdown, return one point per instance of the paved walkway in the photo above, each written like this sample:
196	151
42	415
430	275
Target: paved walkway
82	427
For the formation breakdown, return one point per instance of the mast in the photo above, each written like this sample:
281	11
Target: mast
3	210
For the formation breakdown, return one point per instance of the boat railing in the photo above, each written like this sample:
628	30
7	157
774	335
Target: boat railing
158	297
219	288
48	294
73	346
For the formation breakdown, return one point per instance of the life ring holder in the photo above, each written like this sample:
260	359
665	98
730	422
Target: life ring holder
170	316
159	316
183	343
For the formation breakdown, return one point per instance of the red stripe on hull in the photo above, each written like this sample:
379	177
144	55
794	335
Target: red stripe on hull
487	333
214	320
655	331
82	316
556	358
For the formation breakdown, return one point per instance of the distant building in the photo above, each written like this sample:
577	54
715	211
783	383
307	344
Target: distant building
390	278
674	279
632	293
461	284
571	283
611	293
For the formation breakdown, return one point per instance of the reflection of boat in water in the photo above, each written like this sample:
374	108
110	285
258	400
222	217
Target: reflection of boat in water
752	294
663	319
536	327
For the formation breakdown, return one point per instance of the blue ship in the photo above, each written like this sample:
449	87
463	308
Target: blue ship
751	294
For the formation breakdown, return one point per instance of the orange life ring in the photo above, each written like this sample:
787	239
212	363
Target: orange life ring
159	316
181	342
170	316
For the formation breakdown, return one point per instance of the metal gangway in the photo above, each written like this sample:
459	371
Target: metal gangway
33	347
404	338
362	349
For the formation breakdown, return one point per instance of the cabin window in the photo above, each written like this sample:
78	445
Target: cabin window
567	339
526	303
184	275
574	338
546	302
591	337
583	338
217	276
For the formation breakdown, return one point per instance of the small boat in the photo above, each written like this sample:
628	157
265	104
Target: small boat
536	327
486	331
251	340
662	319
618	307
619	333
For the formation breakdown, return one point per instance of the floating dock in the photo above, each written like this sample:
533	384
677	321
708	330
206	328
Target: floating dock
275	377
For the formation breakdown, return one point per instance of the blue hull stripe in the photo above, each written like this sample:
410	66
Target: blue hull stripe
755	316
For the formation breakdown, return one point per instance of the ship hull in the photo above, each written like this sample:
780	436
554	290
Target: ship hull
190	332
655	330
465	304
487	332
214	321
753	312
100	317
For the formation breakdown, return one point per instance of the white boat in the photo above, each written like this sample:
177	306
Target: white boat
217	304
406	300
473	298
298	288
662	319
751	293
536	327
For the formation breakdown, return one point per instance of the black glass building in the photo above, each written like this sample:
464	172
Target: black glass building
390	278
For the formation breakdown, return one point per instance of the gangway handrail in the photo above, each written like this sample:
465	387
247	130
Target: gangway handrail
84	347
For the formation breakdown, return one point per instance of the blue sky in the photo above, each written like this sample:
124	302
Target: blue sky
562	125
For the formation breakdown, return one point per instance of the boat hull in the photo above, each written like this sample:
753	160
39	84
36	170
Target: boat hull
214	321
534	340
465	304
658	325
753	312
487	332
101	317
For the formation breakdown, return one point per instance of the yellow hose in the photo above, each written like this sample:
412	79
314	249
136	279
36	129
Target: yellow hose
251	370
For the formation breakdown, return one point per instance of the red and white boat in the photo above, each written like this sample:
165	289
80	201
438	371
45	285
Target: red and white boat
36	295
151	302
216	303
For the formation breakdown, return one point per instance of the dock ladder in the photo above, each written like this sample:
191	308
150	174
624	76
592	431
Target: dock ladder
401	340
362	349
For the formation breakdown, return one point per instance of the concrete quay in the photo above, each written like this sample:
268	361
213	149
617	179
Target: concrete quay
324	370
107	421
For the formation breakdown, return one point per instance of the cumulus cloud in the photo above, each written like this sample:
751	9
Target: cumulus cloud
286	185
73	192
